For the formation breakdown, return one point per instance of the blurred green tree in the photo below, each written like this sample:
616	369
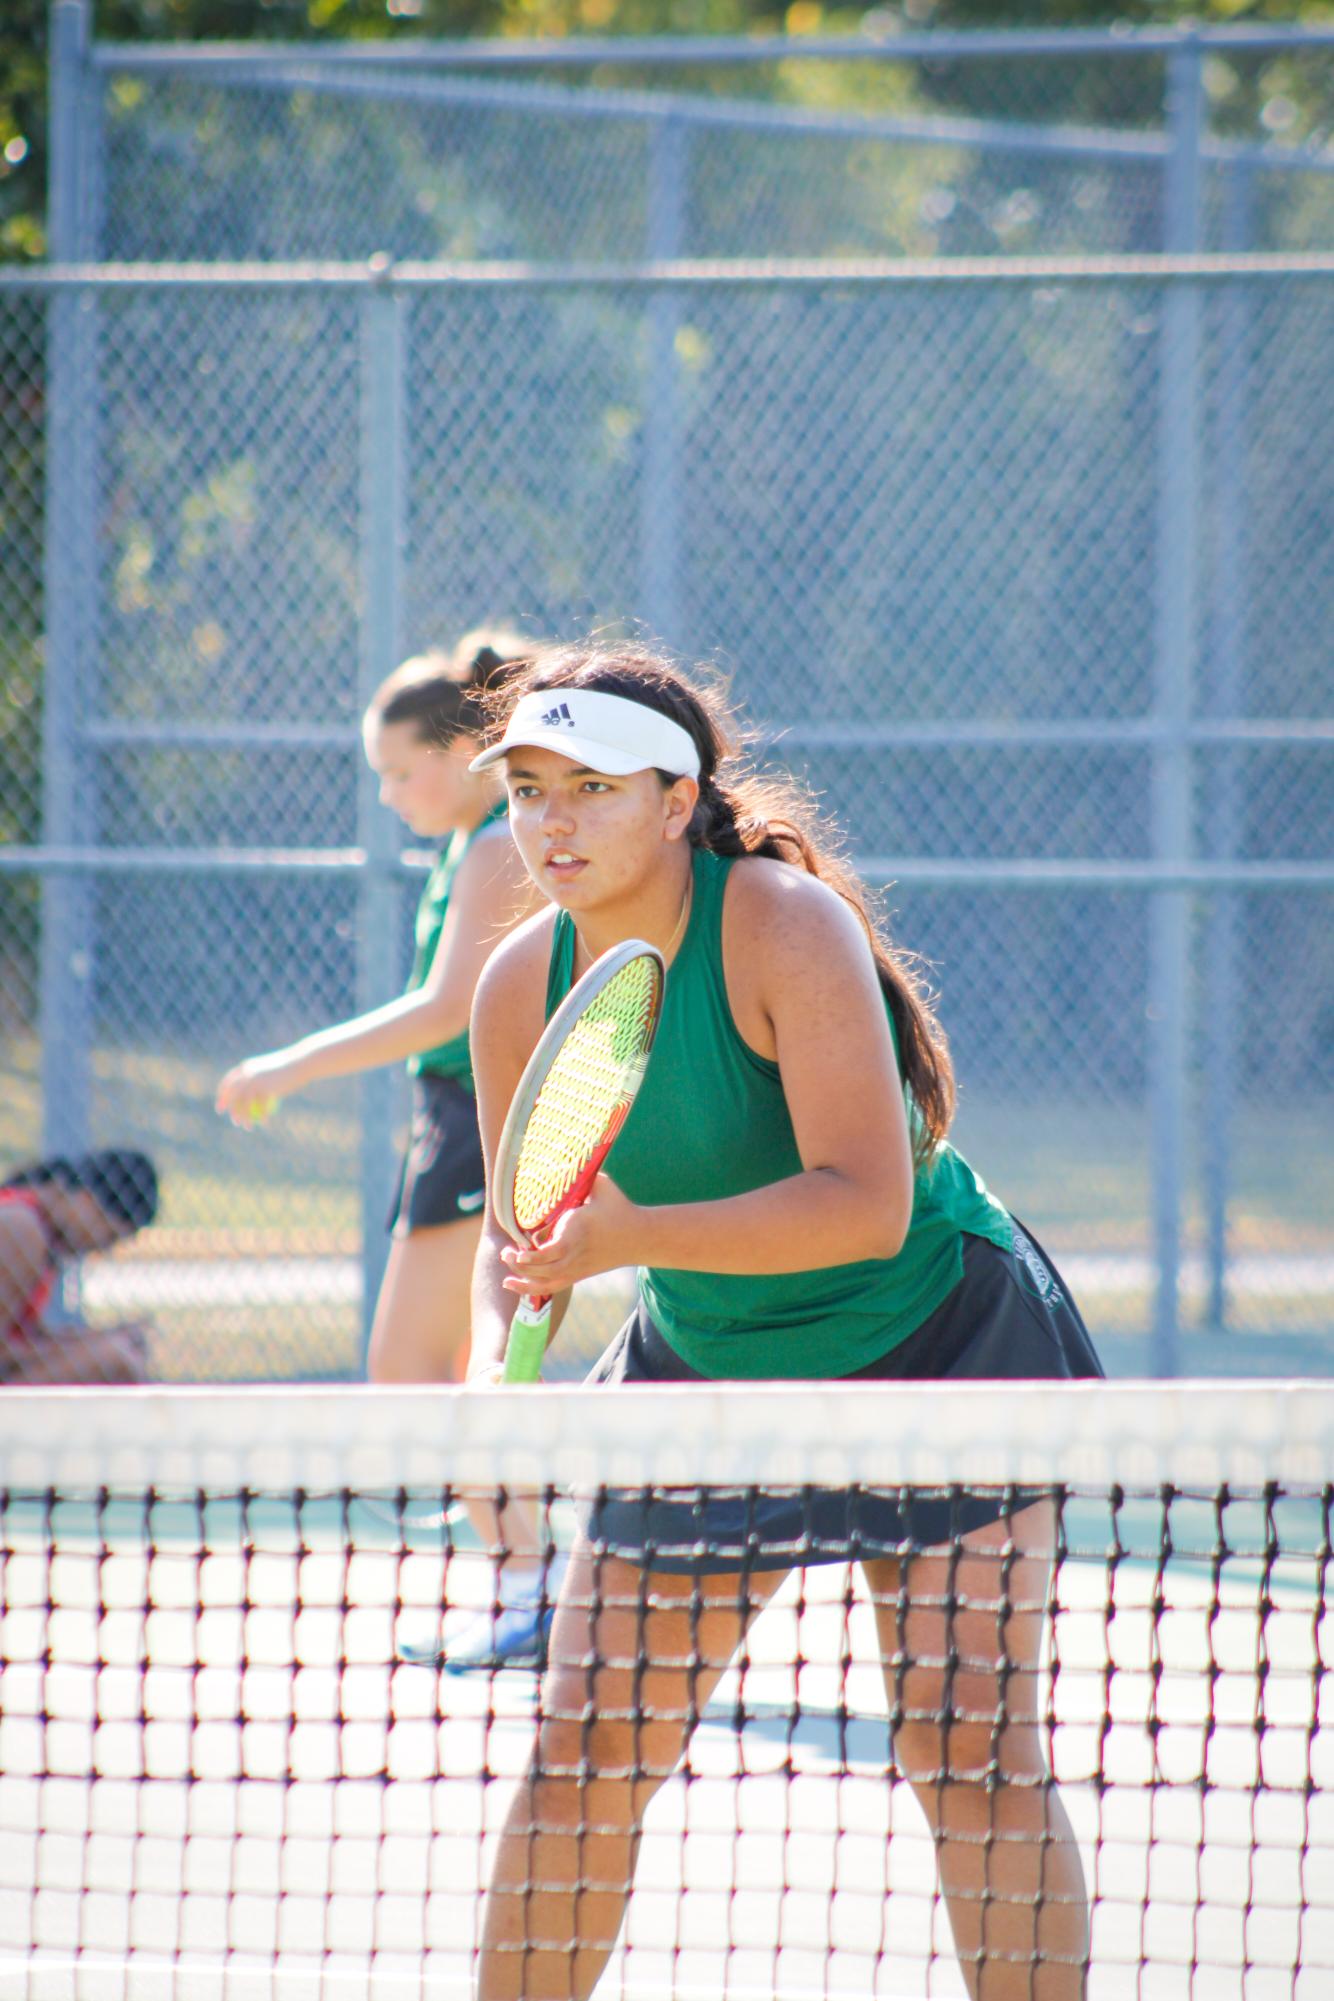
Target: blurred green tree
24	34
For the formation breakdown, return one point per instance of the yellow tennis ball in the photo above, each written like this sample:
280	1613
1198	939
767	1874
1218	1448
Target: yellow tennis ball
262	1109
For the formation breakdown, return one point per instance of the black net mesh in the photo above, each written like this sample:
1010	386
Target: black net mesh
376	1722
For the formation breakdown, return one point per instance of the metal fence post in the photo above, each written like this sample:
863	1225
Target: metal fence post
660	496
69	587
382	529
1178	494
1221	935
1221	957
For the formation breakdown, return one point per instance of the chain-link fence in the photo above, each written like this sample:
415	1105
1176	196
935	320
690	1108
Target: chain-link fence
917	145
1026	566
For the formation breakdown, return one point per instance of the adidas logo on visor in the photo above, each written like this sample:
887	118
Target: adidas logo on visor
605	732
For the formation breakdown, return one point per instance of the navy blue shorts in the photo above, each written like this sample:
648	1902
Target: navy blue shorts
1010	1317
444	1176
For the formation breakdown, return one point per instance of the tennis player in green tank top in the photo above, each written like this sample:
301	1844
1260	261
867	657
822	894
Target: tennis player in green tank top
420	732
785	1185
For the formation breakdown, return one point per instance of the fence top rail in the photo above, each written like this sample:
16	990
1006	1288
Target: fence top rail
536	99
382	272
1040	872
924	732
669	51
925	871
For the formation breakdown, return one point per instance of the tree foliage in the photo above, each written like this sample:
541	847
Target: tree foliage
24	34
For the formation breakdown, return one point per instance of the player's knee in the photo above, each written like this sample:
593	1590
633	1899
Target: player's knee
579	1747
945	1726
402	1353
382	1364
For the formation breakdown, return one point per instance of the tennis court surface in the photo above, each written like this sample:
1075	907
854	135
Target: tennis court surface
217	1778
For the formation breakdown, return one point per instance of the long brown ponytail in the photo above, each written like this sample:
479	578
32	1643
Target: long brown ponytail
742	812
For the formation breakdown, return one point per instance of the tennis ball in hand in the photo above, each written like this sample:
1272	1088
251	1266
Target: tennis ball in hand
261	1110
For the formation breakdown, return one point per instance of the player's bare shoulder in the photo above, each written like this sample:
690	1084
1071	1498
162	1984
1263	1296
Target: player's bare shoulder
792	948
775	912
509	1006
492	864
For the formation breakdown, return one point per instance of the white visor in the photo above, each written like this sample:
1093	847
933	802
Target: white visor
606	732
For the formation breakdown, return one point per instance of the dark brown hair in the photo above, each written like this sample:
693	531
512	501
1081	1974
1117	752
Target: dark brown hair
443	693
741	811
123	1183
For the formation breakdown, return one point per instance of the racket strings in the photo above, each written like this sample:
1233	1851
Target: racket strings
594	1074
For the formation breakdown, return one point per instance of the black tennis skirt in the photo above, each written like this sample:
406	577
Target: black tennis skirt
1010	1317
443	1177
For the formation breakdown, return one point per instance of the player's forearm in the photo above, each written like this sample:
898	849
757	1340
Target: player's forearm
805	1223
15	1292
492	1307
389	1034
23	1260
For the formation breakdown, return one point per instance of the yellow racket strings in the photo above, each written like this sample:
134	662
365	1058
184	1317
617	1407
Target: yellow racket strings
595	1070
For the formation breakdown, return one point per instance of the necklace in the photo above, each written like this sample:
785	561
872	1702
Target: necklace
668	948
680	922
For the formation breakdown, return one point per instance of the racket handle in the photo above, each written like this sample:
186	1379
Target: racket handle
528	1341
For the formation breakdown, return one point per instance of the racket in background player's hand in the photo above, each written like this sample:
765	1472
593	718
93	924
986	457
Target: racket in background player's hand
573	1098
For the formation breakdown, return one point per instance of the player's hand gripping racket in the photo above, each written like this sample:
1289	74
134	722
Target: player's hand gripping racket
573	1098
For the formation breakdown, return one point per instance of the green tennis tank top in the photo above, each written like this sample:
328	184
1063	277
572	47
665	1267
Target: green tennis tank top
711	1121
452	1058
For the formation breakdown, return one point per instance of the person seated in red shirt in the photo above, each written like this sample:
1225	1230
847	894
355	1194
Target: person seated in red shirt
50	1213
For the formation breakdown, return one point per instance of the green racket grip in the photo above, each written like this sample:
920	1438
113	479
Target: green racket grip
528	1341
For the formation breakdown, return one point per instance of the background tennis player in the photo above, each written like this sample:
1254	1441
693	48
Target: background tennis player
785	1183
421	732
53	1212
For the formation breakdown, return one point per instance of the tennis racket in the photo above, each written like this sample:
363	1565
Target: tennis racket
573	1098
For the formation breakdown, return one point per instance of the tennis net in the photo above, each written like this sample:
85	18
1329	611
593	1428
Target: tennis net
1054	1705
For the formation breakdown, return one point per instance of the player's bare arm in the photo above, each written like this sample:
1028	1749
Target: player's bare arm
23	1259
804	994
507	1020
492	889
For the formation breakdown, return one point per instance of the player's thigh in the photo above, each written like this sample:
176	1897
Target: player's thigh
634	1656
961	1629
420	1333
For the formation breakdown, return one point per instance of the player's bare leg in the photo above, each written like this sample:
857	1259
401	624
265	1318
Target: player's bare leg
634	1657
961	1639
